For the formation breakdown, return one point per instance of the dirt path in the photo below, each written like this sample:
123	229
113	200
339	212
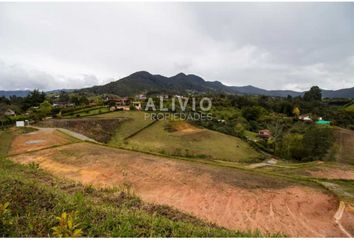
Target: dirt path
70	133
230	198
338	217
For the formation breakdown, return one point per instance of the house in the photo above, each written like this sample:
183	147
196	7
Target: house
22	123
141	97
265	133
9	112
119	108
137	105
305	118
120	101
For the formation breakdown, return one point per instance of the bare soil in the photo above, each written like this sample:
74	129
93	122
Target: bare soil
333	173
230	198
348	220
38	140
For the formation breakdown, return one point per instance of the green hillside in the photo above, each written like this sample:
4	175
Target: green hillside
182	139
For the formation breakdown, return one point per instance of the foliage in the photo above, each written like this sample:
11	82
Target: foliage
292	147
253	113
6	220
68	225
296	112
314	94
33	99
311	143
317	142
45	108
37	198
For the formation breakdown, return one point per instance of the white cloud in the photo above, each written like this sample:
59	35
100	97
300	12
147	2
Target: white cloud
274	46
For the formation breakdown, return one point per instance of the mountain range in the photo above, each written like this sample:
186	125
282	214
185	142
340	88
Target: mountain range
145	82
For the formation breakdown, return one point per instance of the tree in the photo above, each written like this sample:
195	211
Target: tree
317	141
45	108
296	112
33	99
313	95
84	100
64	97
253	113
75	100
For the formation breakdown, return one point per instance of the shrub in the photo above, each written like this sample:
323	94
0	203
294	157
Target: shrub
6	220
67	226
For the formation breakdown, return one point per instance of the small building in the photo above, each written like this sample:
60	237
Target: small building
20	123
323	122
305	118
137	105
119	108
141	97
9	112
265	133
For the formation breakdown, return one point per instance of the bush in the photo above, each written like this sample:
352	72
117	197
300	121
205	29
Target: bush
312	145
317	142
6	220
68	226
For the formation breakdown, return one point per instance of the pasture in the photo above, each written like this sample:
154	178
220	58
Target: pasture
178	138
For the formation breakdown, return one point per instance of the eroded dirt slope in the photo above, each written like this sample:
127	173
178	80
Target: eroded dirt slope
227	197
38	140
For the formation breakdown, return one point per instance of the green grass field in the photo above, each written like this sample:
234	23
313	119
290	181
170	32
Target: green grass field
193	142
350	108
135	122
86	113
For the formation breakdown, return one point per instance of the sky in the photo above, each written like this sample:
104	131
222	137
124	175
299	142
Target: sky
268	45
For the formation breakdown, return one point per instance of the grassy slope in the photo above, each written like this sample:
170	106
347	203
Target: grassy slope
344	145
350	107
136	121
88	112
201	144
36	198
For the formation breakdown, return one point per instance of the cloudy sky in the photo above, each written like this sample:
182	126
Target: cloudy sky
273	46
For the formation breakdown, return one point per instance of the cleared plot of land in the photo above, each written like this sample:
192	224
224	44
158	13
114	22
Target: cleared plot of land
38	140
189	141
329	170
229	198
99	129
134	131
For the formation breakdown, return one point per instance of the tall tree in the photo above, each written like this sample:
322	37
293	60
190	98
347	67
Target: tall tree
313	95
33	99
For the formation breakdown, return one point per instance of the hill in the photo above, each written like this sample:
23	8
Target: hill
18	93
145	82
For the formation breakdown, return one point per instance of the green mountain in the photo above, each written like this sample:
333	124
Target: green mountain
144	82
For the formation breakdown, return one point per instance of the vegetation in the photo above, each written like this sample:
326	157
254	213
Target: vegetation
185	140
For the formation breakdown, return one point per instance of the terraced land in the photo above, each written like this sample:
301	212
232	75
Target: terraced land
228	197
185	140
